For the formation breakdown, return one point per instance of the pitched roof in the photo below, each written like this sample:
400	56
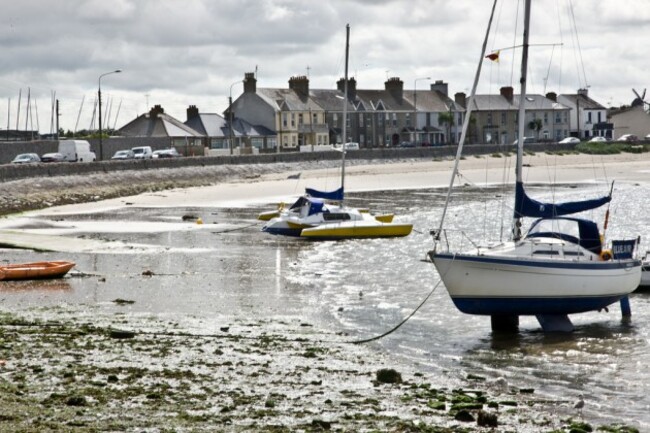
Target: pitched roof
501	103
585	102
157	124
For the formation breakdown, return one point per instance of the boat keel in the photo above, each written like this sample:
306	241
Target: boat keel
555	322
626	311
503	323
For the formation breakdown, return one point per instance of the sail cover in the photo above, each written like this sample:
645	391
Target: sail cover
527	207
327	195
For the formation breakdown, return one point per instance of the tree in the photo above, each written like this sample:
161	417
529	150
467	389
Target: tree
536	125
446	118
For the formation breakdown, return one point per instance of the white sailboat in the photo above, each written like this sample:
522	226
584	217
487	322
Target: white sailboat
559	267
323	215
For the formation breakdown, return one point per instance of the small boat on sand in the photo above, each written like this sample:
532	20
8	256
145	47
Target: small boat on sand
35	270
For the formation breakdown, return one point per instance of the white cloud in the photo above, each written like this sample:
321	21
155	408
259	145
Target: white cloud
182	52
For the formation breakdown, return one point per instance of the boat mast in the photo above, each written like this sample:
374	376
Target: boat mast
345	110
468	115
516	225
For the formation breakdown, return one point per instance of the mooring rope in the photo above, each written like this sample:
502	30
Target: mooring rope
399	325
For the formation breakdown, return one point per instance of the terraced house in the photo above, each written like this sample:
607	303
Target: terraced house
301	116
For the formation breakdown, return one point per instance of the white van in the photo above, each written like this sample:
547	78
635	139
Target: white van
76	150
142	152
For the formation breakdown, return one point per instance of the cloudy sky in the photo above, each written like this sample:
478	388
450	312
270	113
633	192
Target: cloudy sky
181	52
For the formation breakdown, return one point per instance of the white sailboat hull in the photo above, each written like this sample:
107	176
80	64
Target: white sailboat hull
645	275
493	285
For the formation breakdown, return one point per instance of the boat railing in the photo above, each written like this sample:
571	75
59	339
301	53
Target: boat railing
452	240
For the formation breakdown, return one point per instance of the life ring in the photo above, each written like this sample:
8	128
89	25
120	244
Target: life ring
606	255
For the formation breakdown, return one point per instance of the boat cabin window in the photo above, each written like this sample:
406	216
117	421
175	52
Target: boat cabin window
546	253
329	216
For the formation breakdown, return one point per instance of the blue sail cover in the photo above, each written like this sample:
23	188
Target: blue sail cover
527	207
327	195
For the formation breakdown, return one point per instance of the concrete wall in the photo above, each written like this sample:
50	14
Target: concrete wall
10	172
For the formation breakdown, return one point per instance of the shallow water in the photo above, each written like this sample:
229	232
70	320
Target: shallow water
227	270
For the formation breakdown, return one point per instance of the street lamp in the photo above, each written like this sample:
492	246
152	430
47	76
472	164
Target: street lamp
99	99
230	115
415	107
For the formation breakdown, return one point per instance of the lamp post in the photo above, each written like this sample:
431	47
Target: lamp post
415	108
99	101
230	115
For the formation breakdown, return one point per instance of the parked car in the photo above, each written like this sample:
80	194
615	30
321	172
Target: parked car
142	152
598	140
407	144
52	157
166	153
569	140
123	154
26	158
628	137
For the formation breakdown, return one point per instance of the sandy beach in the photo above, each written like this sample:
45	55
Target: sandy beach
270	183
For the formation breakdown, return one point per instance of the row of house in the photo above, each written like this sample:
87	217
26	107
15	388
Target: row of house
285	119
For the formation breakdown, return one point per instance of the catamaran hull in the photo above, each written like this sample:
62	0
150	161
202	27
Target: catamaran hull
513	286
357	230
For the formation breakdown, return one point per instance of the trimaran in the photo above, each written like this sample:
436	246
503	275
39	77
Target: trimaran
323	214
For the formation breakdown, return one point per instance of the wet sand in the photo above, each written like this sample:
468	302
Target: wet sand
259	184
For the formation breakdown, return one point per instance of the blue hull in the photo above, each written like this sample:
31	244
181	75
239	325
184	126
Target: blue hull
283	231
532	306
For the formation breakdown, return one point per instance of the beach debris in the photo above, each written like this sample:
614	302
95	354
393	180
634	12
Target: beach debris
294	176
388	375
189	217
224	328
486	419
121	334
464	416
120	301
148	273
320	424
76	400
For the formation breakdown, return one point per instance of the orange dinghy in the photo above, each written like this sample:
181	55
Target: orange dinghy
36	270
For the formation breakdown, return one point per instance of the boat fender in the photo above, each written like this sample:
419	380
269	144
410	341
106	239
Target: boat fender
606	255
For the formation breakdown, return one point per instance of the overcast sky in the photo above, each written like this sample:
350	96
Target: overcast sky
181	52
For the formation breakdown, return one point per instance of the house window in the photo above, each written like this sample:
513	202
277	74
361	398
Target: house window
284	120
300	119
589	117
271	143
599	118
257	142
545	118
504	118
557	117
293	120
489	118
314	118
394	120
408	119
361	119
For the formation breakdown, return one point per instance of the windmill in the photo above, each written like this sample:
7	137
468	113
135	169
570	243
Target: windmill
640	100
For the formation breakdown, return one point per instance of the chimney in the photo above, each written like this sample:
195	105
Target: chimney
583	92
441	87
461	99
192	112
552	96
299	85
352	87
155	111
508	93
395	86
250	83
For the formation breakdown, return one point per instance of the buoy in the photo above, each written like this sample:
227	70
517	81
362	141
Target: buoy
199	220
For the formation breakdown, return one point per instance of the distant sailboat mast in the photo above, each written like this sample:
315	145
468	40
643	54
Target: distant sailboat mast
345	111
